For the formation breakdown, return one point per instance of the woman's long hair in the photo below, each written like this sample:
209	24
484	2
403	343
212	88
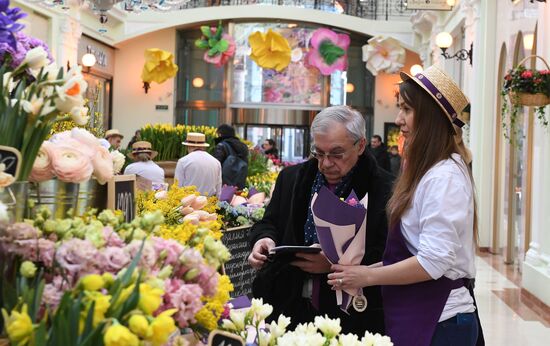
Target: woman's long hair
431	141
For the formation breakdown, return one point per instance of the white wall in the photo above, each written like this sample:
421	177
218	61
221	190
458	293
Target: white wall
132	108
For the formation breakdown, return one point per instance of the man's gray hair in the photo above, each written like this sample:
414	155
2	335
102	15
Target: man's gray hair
347	116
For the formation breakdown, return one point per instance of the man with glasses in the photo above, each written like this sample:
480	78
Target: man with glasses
341	162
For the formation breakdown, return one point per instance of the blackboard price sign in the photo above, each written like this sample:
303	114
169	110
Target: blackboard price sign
11	158
221	338
121	193
237	268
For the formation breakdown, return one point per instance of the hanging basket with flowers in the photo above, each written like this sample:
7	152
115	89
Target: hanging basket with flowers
525	87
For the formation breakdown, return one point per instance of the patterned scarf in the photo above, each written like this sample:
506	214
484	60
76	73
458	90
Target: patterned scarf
310	234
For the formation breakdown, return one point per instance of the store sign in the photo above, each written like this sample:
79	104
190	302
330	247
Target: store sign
434	5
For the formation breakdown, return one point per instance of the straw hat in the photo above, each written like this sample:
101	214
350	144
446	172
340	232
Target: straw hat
443	90
142	147
113	132
195	139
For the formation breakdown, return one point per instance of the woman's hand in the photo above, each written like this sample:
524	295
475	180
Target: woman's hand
312	263
348	277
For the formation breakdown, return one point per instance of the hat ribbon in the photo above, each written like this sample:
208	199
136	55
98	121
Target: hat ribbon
441	98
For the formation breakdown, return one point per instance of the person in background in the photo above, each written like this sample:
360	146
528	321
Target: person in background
270	149
427	269
229	146
135	138
112	140
395	160
143	155
199	168
380	152
299	289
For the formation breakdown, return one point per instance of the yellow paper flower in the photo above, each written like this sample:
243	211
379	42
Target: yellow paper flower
162	327
118	335
159	66
270	50
149	298
18	325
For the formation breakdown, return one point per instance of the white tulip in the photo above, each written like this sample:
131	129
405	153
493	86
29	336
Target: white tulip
80	115
36	58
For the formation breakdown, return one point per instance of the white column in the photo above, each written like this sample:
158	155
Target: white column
483	99
70	32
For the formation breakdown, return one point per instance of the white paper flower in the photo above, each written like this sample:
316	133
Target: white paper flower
3	212
36	58
118	160
383	54
329	327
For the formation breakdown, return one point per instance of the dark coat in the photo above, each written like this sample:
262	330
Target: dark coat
382	156
281	284
221	153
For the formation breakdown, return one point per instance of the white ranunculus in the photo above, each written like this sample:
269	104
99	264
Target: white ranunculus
3	212
329	327
36	58
118	160
384	54
80	115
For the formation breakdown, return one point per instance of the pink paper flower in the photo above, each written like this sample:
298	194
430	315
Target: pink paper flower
328	51
103	165
71	165
221	59
42	169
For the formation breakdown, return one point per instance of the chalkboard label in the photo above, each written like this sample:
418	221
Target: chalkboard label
161	107
221	338
11	158
122	195
237	268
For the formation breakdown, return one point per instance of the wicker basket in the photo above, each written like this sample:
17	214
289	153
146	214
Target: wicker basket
526	99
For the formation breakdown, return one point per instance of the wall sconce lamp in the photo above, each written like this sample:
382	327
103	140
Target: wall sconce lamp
350	88
198	82
88	60
416	69
444	40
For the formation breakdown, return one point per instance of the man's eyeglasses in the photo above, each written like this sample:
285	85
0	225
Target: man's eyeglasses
319	155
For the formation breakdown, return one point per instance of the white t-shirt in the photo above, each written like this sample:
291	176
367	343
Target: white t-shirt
147	169
438	229
202	170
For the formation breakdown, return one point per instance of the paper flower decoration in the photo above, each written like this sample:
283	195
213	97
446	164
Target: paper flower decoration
270	50
159	66
328	51
383	54
220	47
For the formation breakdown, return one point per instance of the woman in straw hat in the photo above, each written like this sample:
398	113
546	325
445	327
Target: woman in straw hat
143	153
428	264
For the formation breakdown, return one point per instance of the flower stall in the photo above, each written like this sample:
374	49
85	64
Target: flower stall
524	87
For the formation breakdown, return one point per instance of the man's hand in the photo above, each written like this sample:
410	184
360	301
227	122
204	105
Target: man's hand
259	253
312	263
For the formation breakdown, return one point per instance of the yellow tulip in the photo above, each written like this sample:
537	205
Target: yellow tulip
149	298
162	327
18	325
139	325
92	282
118	335
270	50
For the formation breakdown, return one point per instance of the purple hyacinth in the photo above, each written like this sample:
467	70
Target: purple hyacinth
8	25
23	44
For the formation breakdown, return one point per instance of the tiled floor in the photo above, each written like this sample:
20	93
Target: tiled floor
505	318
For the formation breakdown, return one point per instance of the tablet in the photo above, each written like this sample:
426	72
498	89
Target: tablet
294	249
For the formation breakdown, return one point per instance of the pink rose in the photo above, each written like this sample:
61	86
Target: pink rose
103	165
113	259
527	74
42	169
71	165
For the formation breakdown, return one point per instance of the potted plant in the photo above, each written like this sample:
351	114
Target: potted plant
525	87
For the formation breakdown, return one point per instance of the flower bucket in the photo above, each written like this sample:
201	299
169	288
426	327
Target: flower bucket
15	198
60	197
91	194
527	99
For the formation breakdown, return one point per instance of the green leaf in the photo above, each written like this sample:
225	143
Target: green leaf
206	31
212	42
40	334
219	31
330	52
213	51
88	326
202	44
222	46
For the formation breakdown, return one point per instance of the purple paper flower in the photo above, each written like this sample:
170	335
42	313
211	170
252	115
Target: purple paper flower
8	25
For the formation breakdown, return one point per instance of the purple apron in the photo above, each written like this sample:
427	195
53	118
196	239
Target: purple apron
412	311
